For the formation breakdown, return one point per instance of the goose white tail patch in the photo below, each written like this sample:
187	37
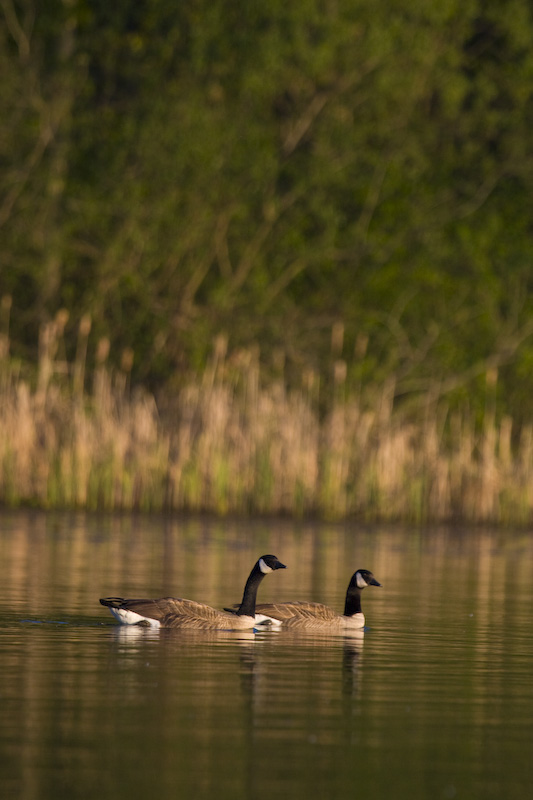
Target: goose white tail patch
263	566
361	583
126	617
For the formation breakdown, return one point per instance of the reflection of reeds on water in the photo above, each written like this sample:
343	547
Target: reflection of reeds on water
229	444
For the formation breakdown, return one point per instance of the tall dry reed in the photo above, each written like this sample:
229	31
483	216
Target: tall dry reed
230	444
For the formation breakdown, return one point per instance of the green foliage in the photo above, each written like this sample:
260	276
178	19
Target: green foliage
269	171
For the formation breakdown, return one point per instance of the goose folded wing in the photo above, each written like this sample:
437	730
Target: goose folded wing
162	607
190	614
298	609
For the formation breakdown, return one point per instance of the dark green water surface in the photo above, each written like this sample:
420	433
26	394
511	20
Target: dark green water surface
434	700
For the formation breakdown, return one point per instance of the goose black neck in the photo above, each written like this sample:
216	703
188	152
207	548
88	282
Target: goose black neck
247	607
353	601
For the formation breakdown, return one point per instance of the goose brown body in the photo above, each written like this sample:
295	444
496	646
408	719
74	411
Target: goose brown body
303	615
176	612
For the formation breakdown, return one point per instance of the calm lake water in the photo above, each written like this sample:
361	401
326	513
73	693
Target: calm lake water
434	699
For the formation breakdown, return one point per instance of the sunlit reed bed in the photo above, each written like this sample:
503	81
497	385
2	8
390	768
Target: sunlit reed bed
227	443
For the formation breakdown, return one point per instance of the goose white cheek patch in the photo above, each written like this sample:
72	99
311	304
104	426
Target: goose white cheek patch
361	583
263	566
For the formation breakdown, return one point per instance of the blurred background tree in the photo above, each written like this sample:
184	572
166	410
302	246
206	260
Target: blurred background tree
275	172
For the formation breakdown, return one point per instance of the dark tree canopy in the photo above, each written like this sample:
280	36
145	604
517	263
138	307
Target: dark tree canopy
273	172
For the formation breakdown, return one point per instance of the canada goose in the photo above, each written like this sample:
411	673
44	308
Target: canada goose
173	612
301	615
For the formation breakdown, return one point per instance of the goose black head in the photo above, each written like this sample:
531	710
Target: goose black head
269	562
363	578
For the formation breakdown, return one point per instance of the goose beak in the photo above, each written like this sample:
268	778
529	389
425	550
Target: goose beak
373	582
279	565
